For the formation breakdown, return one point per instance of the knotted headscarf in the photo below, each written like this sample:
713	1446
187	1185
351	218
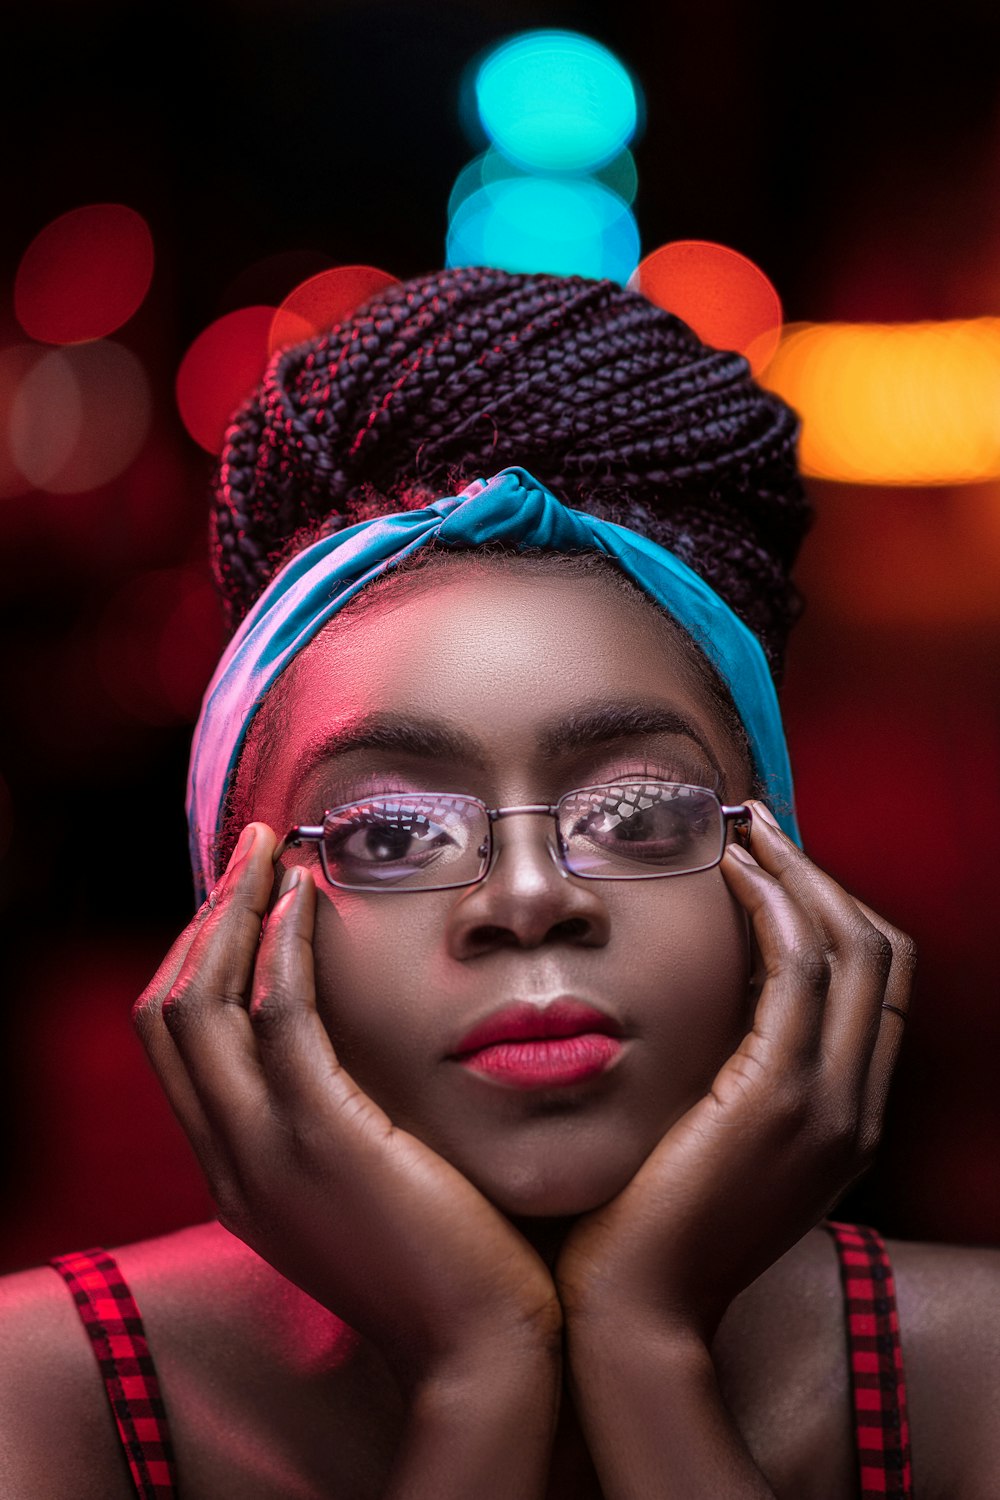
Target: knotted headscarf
512	508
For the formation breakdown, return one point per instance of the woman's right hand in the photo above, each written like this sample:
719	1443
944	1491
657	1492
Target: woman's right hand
305	1167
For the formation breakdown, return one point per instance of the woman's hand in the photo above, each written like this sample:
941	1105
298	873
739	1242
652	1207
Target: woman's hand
305	1167
790	1120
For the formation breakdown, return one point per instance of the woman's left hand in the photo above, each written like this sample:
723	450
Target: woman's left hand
790	1120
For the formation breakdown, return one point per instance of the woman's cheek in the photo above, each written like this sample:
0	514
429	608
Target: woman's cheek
368	962
697	1006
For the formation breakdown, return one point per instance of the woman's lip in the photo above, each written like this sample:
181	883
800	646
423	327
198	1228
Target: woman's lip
545	1063
526	1021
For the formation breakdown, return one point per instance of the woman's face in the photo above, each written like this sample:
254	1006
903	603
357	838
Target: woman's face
512	672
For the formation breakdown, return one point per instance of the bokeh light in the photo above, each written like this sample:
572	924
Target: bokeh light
565	227
16	364
45	419
556	101
912	404
326	299
79	418
220	369
84	275
619	176
718	292
268	281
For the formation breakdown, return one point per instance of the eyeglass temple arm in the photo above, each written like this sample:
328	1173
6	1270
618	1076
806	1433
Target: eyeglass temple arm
294	838
742	820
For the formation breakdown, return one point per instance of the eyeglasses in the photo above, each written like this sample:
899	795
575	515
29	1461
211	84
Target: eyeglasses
439	841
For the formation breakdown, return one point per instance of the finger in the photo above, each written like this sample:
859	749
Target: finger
205	1007
304	1074
892	1025
793	963
859	954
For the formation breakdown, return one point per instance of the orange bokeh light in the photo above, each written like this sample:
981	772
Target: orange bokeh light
317	304
904	403
220	370
718	292
84	275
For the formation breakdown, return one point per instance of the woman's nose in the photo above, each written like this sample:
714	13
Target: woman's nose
527	898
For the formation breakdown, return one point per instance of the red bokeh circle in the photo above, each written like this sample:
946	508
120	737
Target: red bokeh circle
84	275
326	299
718	292
220	370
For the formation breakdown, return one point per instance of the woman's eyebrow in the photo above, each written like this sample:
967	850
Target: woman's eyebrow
587	726
599	723
393	733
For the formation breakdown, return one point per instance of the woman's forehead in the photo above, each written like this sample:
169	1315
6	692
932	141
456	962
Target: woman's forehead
495	653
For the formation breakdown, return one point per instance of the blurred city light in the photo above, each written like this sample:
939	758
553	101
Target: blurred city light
46	418
80	417
219	371
323	300
268	281
562	226
719	293
84	275
619	176
16	363
556	101
903	404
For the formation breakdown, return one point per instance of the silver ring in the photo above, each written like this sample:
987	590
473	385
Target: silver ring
894	1008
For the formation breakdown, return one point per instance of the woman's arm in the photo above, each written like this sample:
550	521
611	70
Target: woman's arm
654	1418
789	1121
482	1429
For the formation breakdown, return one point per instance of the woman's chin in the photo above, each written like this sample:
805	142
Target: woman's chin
544	1191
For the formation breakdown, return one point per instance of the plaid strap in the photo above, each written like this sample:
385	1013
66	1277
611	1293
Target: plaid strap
876	1355
112	1320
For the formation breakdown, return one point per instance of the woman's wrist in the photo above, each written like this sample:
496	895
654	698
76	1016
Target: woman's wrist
653	1415
480	1424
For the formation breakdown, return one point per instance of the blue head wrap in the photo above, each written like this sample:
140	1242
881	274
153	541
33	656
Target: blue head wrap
513	508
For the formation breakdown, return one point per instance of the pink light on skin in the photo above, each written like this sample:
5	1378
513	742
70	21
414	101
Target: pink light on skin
219	370
722	295
84	275
317	304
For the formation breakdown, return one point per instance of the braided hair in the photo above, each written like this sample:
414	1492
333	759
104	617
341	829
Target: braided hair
612	402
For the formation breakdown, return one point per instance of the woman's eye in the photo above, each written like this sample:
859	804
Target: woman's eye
624	824
370	837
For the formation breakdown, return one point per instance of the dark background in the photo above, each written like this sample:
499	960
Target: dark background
857	162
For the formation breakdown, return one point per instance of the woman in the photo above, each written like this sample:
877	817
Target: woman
522	1046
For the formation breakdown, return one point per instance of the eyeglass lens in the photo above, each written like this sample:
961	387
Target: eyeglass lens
629	830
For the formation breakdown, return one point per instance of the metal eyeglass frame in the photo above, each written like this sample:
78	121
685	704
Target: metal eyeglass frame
740	816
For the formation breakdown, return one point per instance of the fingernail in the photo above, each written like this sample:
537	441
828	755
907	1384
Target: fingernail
245	843
737	851
289	880
765	814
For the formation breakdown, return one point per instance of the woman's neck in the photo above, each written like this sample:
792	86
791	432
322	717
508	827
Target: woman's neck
546	1235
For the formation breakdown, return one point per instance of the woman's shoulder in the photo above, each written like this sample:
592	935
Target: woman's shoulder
248	1366
783	1360
55	1435
948	1301
241	1355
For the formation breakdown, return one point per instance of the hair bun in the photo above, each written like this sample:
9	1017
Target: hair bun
611	401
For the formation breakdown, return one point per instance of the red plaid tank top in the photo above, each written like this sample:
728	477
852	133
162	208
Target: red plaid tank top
112	1320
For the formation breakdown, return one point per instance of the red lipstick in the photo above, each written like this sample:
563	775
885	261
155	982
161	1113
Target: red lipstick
538	1046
